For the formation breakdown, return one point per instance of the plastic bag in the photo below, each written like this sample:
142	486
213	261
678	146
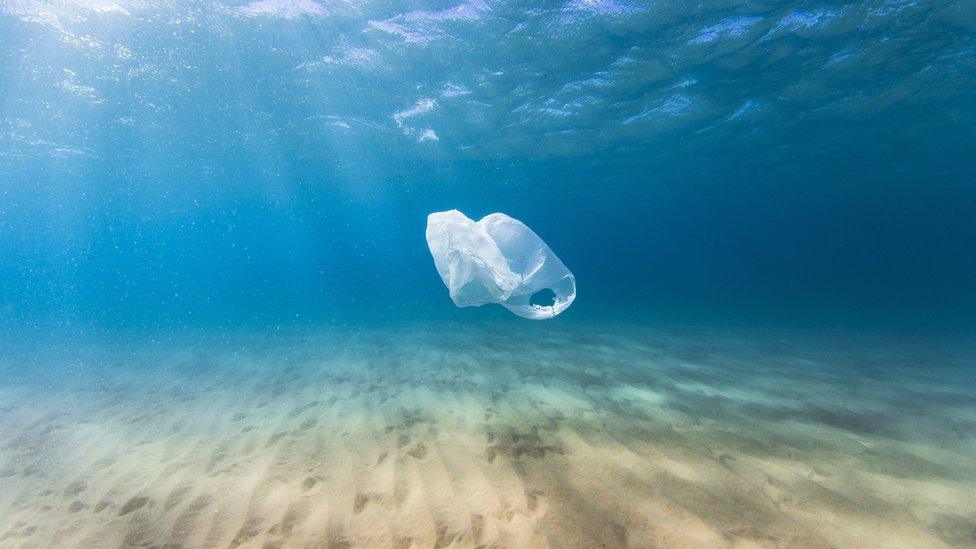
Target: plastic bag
498	260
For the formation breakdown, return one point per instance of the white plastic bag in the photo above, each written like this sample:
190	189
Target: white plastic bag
498	260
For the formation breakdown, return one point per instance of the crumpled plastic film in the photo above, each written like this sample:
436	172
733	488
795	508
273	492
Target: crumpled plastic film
498	260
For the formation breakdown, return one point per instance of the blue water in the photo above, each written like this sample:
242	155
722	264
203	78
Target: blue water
213	270
273	162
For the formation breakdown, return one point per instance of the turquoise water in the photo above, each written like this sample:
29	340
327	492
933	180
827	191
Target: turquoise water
221	325
727	162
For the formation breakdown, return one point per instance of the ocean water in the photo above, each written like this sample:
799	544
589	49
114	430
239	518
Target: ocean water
221	325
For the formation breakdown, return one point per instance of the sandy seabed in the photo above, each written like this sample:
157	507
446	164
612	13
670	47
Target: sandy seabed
451	436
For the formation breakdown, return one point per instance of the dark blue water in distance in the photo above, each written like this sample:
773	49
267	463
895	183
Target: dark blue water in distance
221	324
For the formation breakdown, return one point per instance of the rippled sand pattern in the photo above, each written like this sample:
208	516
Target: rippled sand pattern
439	436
